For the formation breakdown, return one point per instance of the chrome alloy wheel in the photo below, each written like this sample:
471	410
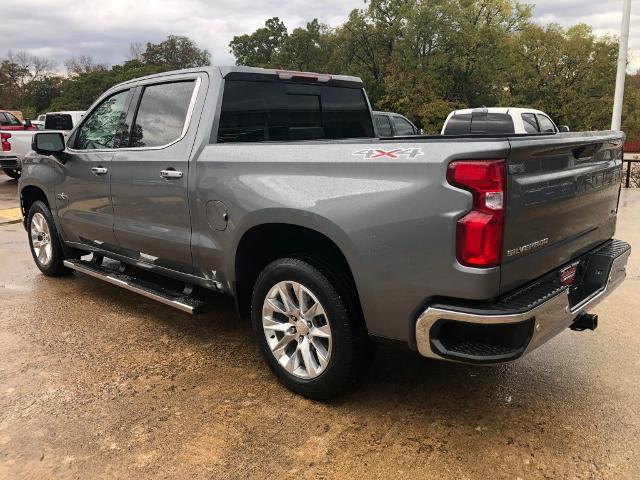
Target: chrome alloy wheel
41	239
297	329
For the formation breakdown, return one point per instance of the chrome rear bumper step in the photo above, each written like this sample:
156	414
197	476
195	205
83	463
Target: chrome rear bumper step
145	288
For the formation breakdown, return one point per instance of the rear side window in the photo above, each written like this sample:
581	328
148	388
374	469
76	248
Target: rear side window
530	123
480	122
255	111
546	125
403	127
58	121
383	126
162	114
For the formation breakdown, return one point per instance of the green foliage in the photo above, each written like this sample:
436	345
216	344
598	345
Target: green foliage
175	53
36	92
423	58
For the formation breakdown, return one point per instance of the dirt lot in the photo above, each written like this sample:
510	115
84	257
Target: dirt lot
96	382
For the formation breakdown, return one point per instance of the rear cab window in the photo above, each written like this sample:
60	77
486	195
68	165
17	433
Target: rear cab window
259	111
58	121
478	123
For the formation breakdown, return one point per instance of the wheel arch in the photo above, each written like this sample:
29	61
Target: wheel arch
264	242
29	194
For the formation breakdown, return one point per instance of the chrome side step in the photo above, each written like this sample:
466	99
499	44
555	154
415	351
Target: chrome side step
150	290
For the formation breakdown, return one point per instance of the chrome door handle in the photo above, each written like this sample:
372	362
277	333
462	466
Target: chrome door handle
170	174
99	170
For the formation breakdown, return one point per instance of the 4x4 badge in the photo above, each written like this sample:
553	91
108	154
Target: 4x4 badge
396	153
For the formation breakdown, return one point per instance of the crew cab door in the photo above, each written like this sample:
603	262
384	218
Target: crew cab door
149	187
83	198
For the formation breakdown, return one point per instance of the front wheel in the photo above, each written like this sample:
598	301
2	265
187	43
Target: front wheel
12	172
309	336
44	241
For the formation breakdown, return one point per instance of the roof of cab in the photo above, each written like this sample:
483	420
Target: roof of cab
513	110
225	71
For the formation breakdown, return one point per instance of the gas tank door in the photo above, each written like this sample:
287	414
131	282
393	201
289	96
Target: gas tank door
217	215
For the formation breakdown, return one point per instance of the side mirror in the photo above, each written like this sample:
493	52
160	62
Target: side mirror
48	143
27	123
563	128
420	131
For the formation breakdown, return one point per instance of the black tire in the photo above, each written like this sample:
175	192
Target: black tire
350	346
54	267
12	172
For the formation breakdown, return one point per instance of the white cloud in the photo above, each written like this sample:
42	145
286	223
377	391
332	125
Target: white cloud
61	28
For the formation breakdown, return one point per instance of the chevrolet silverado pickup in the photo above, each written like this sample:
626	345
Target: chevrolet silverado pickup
272	187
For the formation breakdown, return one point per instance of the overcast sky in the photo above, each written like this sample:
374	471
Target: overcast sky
104	29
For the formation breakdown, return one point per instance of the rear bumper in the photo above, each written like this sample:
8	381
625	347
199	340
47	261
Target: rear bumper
524	320
10	162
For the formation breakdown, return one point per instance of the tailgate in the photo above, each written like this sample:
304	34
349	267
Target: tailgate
562	197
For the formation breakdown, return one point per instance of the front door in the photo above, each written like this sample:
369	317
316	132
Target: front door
149	178
83	198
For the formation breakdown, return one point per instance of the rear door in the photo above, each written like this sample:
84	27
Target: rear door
149	186
562	197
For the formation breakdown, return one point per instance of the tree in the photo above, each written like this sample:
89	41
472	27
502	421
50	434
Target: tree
83	64
175	53
262	47
568	73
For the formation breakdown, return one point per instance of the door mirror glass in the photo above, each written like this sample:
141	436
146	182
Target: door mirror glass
48	143
27	123
563	128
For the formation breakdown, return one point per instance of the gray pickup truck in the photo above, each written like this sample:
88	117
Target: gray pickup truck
271	186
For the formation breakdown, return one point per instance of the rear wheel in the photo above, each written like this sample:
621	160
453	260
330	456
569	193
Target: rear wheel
44	241
12	172
313	342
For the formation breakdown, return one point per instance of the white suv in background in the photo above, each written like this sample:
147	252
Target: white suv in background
499	120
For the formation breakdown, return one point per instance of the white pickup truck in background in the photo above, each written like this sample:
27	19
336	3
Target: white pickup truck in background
17	143
499	120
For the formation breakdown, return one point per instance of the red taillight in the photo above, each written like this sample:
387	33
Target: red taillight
479	233
6	146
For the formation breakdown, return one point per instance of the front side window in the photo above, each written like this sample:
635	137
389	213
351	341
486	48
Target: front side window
9	120
254	111
403	127
383	125
530	123
162	114
546	125
100	128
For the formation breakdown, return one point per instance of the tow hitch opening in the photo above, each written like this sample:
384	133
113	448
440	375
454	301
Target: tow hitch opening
585	321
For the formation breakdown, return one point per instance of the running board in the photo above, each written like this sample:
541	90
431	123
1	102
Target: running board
150	290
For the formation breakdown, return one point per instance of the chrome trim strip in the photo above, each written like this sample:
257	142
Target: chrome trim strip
185	128
551	317
121	283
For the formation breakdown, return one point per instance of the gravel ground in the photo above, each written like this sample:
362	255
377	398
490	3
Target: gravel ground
97	382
